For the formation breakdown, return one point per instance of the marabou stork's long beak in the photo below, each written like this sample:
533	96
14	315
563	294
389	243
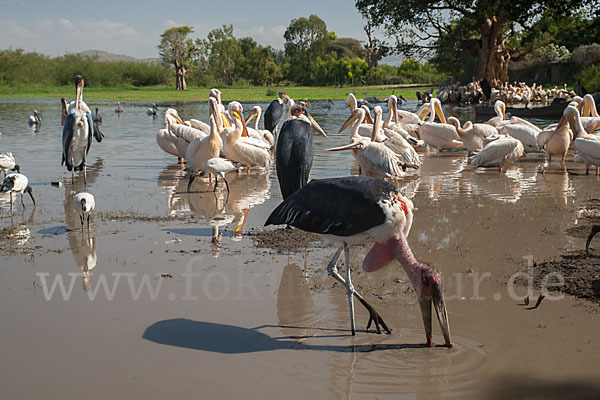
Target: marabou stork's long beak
425	279
350	146
595	230
314	123
355	115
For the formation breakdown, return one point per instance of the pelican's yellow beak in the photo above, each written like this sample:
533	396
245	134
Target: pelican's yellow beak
245	128
251	117
350	146
437	107
179	121
225	120
368	118
349	121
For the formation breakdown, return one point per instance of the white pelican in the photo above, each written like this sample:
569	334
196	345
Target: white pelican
589	150
571	114
118	108
164	138
556	140
7	163
200	150
237	146
78	131
522	130
441	136
84	203
34	119
472	135
218	166
375	159
500	153
500	109
263	134
18	184
589	106
356	119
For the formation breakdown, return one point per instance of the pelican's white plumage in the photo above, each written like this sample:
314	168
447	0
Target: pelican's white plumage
500	153
243	149
441	136
589	151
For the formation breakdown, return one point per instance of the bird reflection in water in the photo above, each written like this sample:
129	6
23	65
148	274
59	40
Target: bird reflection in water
218	209
83	246
295	308
82	243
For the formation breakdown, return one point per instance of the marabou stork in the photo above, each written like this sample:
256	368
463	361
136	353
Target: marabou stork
362	209
77	131
294	152
274	112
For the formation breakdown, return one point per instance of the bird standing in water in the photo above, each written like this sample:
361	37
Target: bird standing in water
361	209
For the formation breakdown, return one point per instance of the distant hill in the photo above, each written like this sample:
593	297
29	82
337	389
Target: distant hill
105	56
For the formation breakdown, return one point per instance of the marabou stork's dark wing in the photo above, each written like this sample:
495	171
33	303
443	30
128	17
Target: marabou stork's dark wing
335	206
294	155
67	136
273	115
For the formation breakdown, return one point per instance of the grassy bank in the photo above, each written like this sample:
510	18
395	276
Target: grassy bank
246	93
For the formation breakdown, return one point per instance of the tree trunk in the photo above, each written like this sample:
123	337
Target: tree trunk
180	76
493	56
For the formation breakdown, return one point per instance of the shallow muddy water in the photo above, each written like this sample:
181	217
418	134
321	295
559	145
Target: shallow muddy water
152	307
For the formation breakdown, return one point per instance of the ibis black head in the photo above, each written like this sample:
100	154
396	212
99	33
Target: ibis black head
30	191
17	169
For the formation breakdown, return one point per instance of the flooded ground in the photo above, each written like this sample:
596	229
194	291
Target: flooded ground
183	295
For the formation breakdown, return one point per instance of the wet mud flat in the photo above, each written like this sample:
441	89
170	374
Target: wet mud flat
285	240
574	272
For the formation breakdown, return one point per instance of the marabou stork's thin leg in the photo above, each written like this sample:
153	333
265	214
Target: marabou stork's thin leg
374	317
349	289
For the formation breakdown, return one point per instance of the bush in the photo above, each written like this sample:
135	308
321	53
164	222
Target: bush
587	54
590	78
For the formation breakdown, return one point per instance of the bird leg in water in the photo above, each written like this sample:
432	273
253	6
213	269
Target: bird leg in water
88	222
216	183
192	177
349	288
373	315
226	184
81	219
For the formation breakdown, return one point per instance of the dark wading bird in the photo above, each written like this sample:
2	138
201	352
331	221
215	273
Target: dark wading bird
78	129
274	112
595	230
361	209
294	152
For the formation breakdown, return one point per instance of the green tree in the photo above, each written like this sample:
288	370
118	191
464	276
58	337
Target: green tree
177	50
346	48
305	40
426	26
224	53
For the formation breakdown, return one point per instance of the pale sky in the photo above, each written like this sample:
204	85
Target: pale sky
134	28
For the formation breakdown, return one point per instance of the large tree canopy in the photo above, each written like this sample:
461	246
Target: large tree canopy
481	28
177	50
